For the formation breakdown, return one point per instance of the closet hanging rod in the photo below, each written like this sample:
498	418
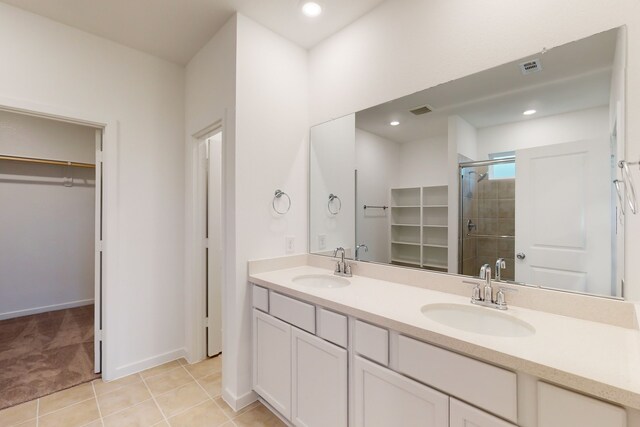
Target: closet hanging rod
47	161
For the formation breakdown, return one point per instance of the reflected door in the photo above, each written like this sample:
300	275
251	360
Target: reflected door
563	216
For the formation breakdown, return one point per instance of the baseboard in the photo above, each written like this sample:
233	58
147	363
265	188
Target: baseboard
44	309
238	402
141	365
276	413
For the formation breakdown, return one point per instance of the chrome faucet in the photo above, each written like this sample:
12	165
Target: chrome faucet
500	265
358	247
342	267
484	297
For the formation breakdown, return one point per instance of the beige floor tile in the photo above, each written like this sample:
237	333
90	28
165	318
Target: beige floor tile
72	416
142	415
103	387
259	416
64	398
96	423
229	412
162	423
19	413
30	423
212	384
206	367
183	361
160	369
169	380
123	398
182	398
207	414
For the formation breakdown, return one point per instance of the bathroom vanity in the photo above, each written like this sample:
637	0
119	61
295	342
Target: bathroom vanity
389	347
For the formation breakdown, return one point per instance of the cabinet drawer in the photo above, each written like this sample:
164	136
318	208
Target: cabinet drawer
292	311
485	386
332	327
260	298
558	407
372	342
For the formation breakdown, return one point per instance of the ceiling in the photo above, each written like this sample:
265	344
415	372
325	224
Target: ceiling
176	29
574	76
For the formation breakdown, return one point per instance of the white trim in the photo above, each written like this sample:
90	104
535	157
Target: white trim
150	362
43	309
109	202
238	402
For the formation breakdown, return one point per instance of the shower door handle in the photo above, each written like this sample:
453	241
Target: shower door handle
521	255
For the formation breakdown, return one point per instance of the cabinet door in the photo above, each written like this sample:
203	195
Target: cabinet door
384	398
463	415
272	361
319	382
558	407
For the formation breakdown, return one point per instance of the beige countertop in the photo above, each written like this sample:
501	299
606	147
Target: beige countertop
595	358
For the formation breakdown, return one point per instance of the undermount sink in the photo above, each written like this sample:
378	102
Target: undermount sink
321	281
479	320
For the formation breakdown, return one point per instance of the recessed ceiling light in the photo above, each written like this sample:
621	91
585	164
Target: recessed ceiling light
394	123
311	9
529	112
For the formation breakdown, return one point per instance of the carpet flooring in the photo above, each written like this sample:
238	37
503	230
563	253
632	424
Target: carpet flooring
44	353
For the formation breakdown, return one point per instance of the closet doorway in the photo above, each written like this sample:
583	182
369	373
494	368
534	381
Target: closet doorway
50	255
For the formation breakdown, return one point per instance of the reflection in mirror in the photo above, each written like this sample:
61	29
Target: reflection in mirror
513	167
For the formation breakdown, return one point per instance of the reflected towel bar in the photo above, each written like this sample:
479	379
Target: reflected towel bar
376	207
491	236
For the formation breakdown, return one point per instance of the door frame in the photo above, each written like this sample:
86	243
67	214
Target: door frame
195	283
109	202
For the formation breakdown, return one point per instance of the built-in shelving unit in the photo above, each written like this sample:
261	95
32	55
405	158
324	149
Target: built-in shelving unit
419	226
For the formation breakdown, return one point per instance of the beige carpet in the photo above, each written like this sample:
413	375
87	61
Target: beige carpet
45	353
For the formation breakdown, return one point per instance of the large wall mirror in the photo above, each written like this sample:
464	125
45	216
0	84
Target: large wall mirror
515	165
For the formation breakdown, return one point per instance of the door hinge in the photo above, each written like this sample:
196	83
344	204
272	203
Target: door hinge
206	243
99	245
206	322
98	156
99	334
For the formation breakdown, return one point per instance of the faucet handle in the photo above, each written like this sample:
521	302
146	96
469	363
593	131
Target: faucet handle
500	298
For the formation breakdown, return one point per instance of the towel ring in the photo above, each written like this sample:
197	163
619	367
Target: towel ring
333	197
278	194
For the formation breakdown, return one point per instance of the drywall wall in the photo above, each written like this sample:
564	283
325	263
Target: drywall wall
573	126
404	46
378	163
210	99
331	171
56	66
47	228
271	141
423	163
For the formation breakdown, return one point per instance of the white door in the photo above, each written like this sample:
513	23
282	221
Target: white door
272	361
97	321
563	216
214	253
319	382
463	415
384	398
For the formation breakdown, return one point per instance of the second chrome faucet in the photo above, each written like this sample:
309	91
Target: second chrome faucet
484	296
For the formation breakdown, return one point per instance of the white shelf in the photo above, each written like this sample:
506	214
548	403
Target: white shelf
405	207
436	206
406	261
406	225
405	243
434	226
439	266
428	245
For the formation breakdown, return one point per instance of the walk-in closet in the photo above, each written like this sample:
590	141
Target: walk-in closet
47	255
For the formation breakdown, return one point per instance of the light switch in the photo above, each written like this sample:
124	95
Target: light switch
290	244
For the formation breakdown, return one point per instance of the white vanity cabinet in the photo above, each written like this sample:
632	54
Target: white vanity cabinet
384	398
319	382
272	361
463	415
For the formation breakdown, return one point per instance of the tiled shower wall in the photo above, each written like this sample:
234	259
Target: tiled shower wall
490	204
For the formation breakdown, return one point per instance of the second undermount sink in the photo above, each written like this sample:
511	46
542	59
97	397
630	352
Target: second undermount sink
321	281
479	320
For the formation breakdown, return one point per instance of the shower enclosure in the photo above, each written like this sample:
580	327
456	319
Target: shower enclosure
487	216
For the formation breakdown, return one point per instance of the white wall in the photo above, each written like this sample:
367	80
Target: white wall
332	162
378	163
47	229
59	67
423	163
272	130
592	123
411	45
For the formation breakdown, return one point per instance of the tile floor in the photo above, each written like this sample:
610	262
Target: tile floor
174	394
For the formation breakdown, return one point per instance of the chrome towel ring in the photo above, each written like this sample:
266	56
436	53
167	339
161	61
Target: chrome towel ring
332	198
277	195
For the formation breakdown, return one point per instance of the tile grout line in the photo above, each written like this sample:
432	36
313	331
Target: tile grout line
207	394
64	407
154	399
97	403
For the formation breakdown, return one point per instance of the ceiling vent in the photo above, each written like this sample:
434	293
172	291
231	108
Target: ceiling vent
424	109
532	66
